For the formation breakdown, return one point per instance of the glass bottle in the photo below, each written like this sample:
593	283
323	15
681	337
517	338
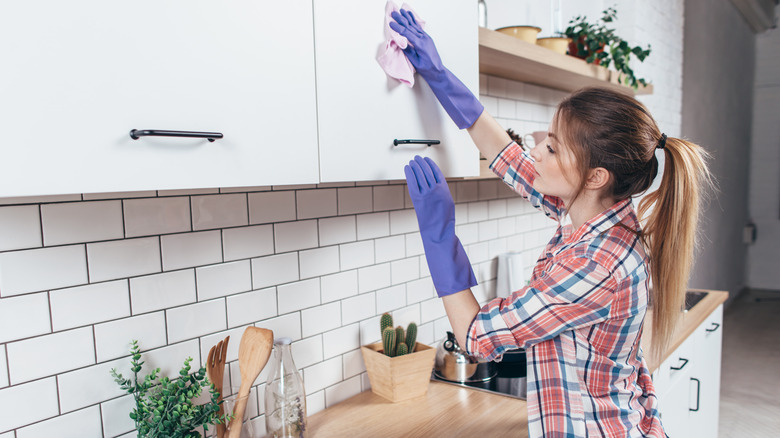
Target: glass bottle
285	397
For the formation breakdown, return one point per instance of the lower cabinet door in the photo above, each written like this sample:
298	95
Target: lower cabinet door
78	76
705	391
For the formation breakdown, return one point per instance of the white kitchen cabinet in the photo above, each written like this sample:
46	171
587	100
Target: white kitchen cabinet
688	382
77	76
361	110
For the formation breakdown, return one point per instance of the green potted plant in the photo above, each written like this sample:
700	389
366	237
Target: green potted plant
399	367
164	407
598	44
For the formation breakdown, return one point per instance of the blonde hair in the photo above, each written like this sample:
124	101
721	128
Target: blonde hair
605	128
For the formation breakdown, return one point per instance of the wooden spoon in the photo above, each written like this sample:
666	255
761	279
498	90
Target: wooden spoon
253	352
215	369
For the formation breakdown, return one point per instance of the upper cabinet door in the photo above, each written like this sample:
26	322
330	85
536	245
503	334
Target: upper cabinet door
361	110
79	75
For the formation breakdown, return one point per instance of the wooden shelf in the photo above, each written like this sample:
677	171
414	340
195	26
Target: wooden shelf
511	58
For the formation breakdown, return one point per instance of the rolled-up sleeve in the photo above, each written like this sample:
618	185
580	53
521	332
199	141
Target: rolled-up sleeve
568	296
516	168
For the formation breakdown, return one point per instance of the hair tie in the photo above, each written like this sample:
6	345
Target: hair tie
661	142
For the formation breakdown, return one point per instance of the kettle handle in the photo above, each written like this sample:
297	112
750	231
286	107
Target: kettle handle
451	344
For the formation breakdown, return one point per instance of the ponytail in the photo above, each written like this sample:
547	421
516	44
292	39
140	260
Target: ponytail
671	216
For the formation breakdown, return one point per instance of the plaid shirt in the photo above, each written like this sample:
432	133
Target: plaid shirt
580	321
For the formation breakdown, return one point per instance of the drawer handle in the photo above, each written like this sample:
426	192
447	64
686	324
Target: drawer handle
714	328
684	362
135	134
698	390
396	142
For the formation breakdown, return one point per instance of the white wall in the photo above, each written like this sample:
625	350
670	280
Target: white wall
719	58
764	255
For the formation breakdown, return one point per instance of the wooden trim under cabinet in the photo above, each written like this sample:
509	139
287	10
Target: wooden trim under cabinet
511	58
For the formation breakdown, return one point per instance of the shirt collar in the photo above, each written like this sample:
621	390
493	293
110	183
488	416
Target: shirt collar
604	221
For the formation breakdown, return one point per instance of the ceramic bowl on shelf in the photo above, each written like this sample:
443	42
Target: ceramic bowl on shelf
525	33
556	44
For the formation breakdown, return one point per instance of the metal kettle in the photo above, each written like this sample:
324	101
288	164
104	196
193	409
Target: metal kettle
455	365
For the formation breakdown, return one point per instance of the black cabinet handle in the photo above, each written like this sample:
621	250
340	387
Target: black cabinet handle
714	328
135	134
684	362
698	391
396	142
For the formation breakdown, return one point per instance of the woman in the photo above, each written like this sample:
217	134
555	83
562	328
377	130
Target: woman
581	317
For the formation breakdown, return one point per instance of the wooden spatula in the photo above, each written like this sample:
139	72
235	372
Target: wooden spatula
215	369
253	352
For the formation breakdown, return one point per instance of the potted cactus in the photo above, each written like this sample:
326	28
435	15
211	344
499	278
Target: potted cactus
399	367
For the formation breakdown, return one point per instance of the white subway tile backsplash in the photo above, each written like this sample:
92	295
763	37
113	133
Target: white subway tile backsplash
320	319
355	200
83	305
468	191
478	211
356	255
316	203
191	249
85	423
339	286
389	197
273	270
298	295
468	233
4	381
315	402
374	277
116	420
112	339
391	298
322	375
77	222
50	354
123	258
342	391
20	227
28	403
319	262
307	352
294	236
119	195
506	226
341	340
194	320
507	108
373	225
405	270
250	307
162	291
414	245
353	363
41	269
268	207
145	217
288	325
219	211
403	221
357	308
419	290
24	316
223	279
488	230
431	310
497	86
247	242
390	248
496	208
337	230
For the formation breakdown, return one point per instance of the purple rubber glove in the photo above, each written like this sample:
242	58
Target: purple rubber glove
447	260
462	106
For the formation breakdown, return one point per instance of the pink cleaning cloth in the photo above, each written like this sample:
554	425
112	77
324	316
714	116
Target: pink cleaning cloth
392	58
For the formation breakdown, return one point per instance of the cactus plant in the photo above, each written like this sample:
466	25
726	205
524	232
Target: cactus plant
388	341
411	336
402	349
385	321
400	337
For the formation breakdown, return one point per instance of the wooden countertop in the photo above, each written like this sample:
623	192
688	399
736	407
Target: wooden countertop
453	411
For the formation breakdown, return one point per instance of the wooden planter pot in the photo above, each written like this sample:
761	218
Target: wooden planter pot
402	377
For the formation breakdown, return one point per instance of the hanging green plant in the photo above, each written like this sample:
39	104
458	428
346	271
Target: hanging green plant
598	44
